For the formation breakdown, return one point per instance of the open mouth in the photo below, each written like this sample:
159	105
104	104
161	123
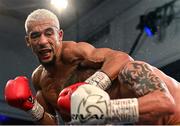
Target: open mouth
45	54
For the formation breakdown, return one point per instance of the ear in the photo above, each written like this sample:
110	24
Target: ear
61	33
27	41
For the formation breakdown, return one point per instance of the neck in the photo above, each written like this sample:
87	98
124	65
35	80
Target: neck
53	68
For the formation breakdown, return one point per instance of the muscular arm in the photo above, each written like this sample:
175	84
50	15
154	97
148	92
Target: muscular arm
49	115
154	99
111	61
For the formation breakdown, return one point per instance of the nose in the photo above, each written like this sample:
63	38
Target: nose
43	40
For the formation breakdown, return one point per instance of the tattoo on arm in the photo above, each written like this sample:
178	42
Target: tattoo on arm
141	78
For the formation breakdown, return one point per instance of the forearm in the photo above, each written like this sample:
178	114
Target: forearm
112	65
148	109
40	115
114	62
155	105
49	115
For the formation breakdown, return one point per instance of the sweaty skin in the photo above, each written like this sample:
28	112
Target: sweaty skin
69	72
157	93
66	62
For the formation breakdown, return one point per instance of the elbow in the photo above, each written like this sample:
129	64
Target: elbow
170	104
167	104
126	57
122	58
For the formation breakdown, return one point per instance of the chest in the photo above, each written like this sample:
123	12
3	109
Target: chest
52	85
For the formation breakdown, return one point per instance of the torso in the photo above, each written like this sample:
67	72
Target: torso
52	84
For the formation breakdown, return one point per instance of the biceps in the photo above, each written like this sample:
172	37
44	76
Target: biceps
141	79
99	55
94	58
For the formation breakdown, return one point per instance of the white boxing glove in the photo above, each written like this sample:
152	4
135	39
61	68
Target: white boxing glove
89	104
92	105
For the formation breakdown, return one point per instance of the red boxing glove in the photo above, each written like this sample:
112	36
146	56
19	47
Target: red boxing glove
64	100
18	93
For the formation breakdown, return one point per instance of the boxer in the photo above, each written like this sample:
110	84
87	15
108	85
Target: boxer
63	63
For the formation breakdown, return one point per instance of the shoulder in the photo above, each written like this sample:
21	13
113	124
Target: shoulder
75	50
169	80
70	44
68	47
36	76
37	71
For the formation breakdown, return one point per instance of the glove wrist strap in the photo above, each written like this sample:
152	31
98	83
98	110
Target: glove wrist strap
37	111
124	110
99	79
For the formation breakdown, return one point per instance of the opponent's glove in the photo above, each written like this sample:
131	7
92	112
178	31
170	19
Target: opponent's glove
92	105
64	101
99	79
18	94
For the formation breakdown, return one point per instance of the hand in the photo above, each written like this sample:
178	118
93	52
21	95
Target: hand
92	105
67	101
18	94
89	105
64	100
99	79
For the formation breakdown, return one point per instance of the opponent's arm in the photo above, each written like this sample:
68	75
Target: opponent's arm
89	104
154	99
111	62
92	105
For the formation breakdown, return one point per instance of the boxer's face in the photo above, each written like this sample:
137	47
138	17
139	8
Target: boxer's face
45	41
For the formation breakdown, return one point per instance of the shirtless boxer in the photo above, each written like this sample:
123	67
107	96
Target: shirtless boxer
64	63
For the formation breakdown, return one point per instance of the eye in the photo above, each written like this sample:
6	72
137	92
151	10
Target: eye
49	32
35	35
